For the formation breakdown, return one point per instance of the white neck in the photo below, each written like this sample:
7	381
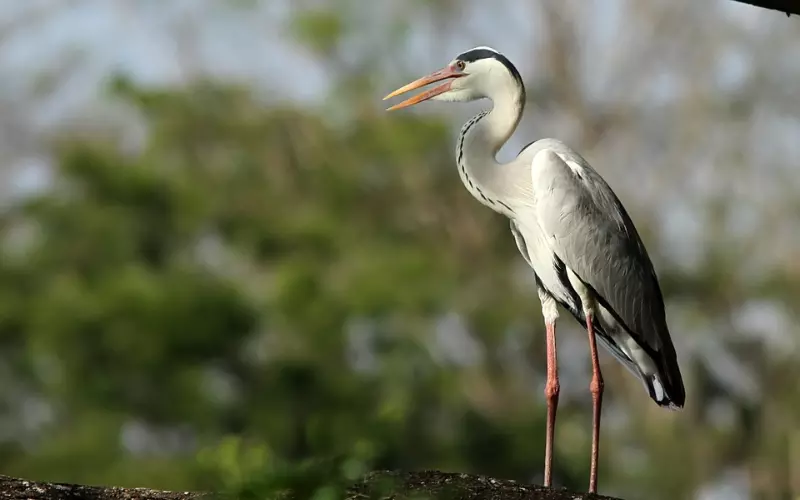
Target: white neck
480	140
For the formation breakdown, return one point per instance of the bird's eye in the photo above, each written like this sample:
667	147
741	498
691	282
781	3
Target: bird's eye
461	65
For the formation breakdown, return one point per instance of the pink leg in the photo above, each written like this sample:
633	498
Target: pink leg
596	387
551	393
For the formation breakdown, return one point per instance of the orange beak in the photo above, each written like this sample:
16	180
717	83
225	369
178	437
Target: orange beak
447	73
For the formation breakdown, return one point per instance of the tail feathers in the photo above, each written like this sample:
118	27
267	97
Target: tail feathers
660	395
666	386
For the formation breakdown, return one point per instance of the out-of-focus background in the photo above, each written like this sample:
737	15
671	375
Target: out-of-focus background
222	259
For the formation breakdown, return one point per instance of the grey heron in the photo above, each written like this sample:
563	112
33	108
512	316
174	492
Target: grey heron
570	228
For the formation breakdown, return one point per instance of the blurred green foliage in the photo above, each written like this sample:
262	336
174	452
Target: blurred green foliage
216	284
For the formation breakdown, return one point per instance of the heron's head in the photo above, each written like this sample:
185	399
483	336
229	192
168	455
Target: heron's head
475	74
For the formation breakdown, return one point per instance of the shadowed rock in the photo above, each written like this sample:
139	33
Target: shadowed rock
375	485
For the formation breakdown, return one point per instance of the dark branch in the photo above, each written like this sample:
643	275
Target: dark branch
384	484
442	485
785	6
12	488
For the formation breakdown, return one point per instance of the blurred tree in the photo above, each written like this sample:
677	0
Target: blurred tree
234	275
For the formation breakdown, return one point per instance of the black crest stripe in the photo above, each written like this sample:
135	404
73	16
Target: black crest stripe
477	54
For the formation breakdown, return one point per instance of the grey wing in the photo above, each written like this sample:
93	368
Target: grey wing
589	230
520	240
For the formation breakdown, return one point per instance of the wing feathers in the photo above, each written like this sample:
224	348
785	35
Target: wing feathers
587	227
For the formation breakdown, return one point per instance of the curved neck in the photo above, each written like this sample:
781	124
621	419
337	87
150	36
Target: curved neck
480	140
